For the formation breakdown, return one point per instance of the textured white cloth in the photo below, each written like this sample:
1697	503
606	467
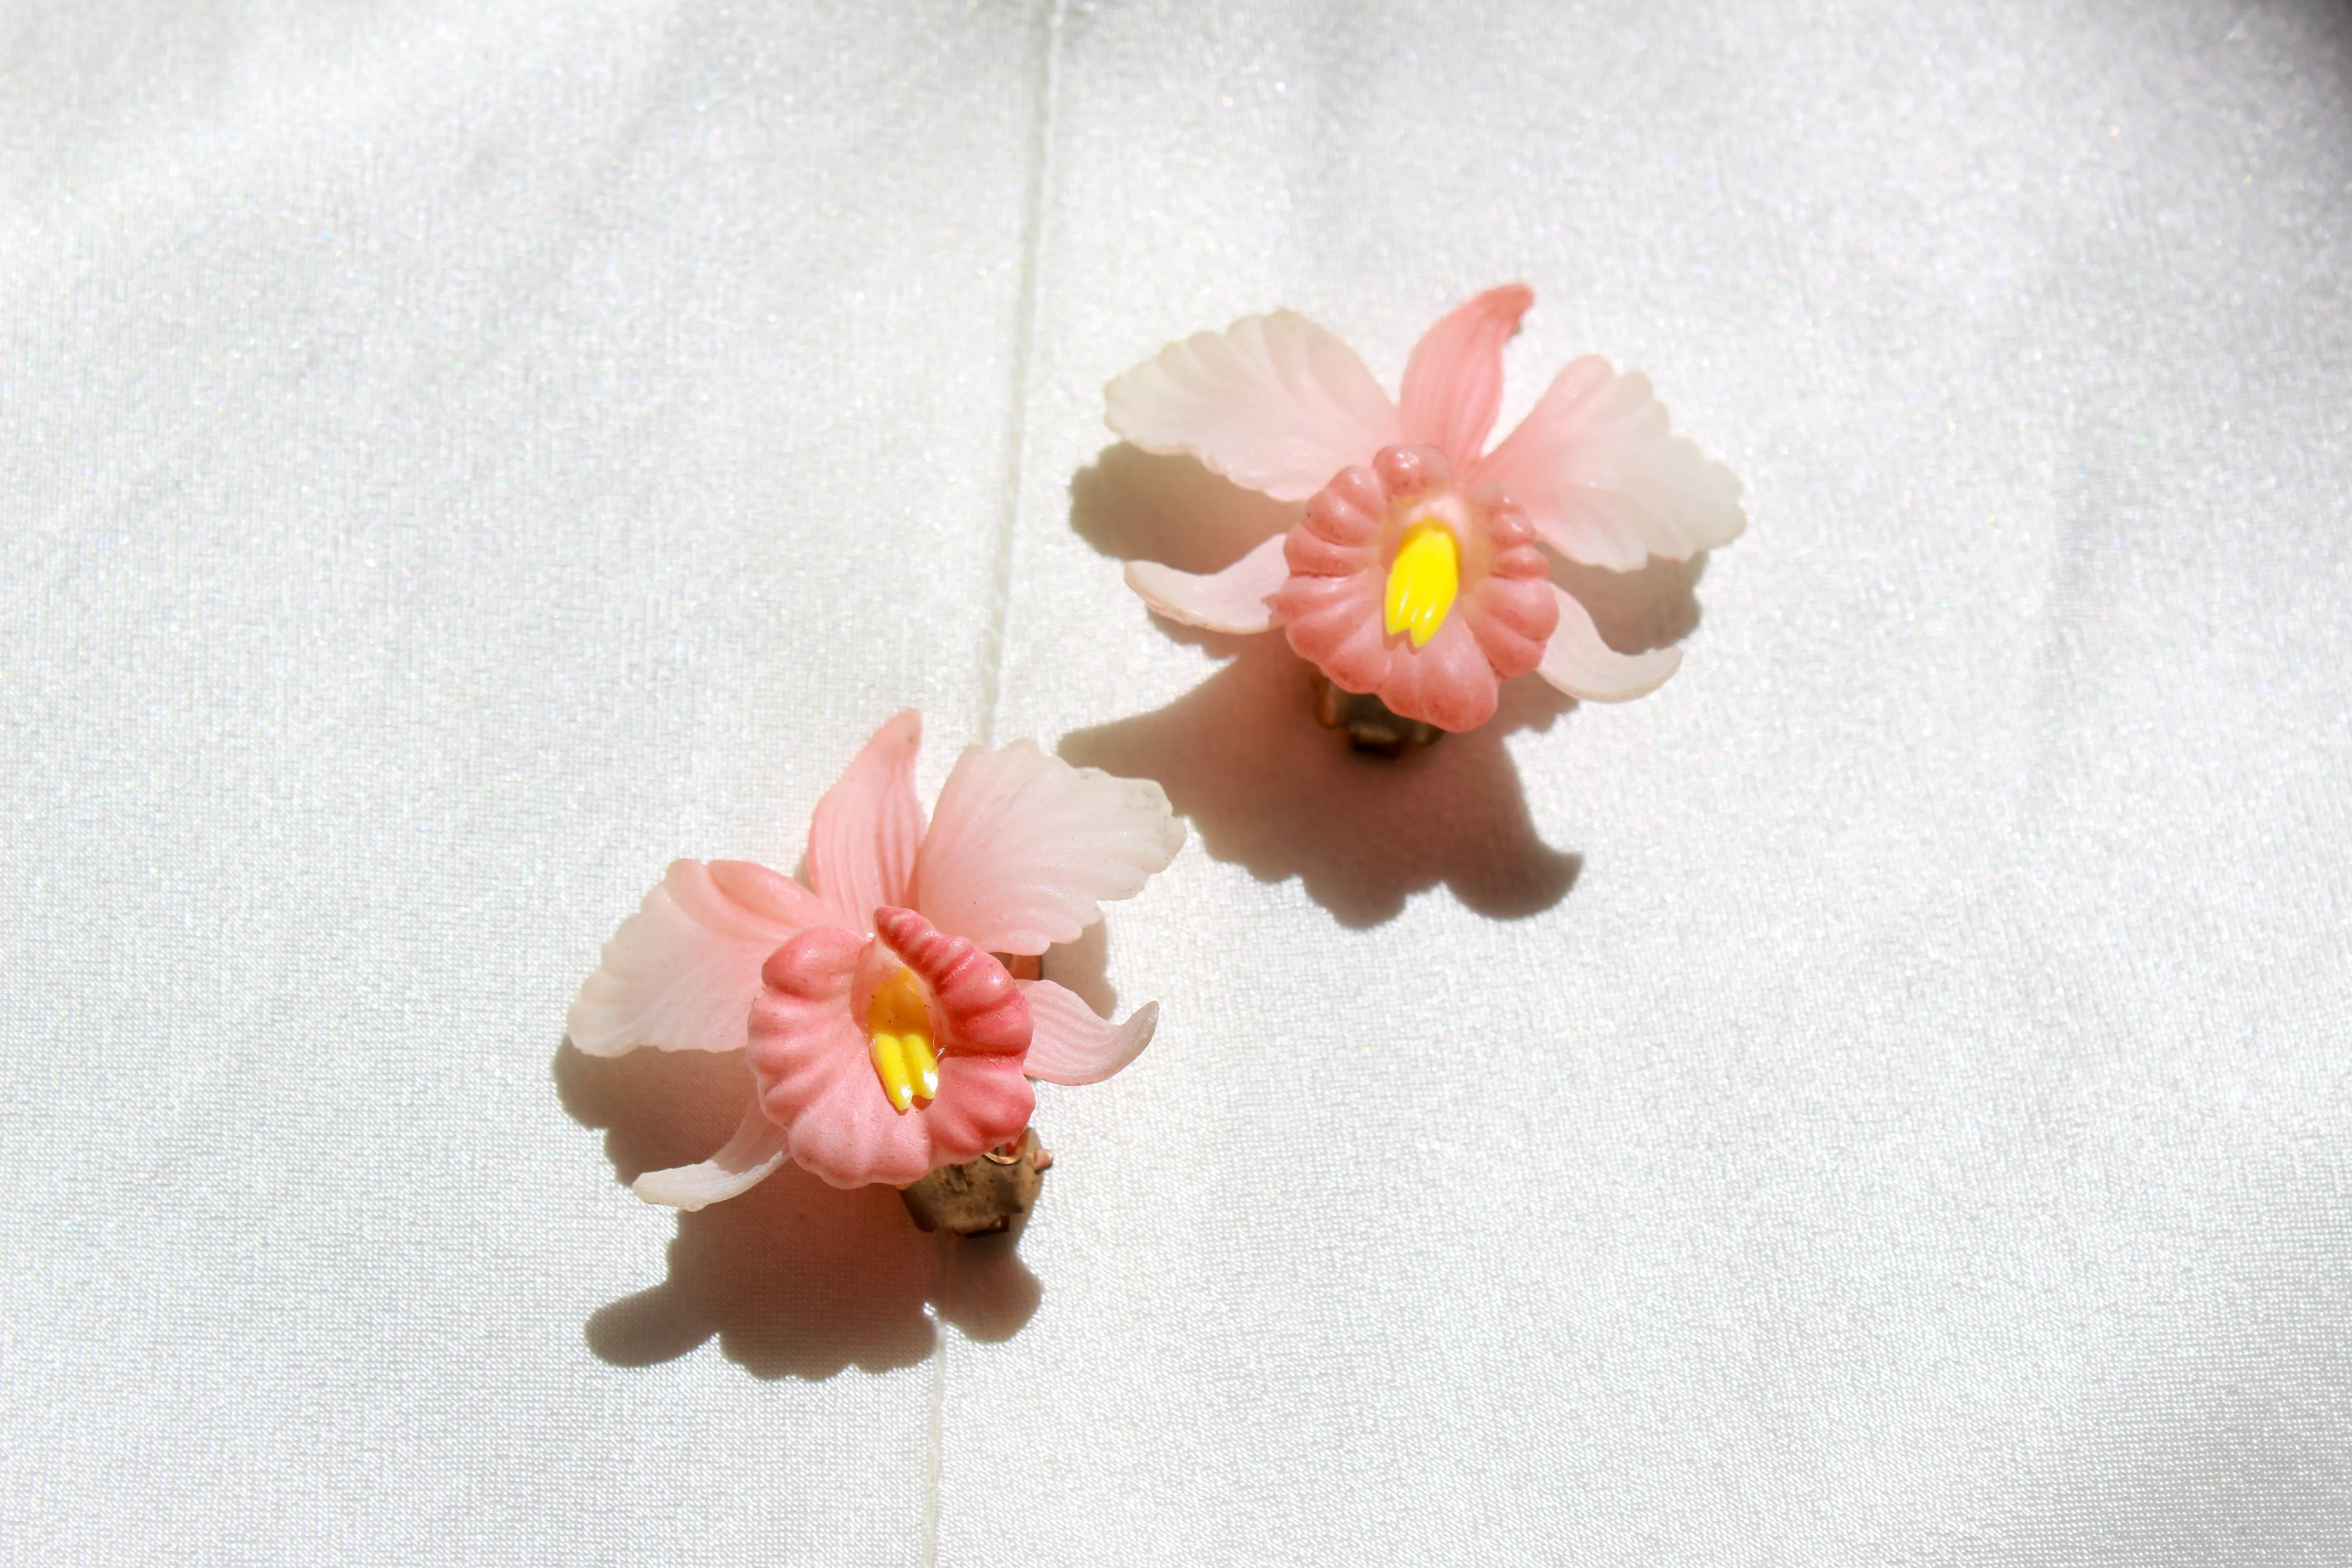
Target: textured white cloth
1880	1099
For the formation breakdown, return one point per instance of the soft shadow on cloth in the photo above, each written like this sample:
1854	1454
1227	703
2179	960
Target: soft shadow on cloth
1270	790
795	1279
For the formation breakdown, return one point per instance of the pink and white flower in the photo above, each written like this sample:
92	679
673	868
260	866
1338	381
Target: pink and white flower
1414	574
885	1037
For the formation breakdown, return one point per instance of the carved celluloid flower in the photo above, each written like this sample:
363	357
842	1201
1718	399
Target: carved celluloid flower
1413	576
885	1037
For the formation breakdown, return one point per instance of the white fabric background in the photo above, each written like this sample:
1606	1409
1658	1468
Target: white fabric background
457	458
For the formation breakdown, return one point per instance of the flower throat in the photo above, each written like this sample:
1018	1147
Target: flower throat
899	1031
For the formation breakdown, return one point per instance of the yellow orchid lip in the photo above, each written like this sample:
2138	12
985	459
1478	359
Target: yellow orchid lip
1424	581
899	1033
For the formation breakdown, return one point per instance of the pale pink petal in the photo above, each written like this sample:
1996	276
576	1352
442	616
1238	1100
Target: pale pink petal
1022	847
1274	403
861	842
750	1157
1578	662
680	974
982	1009
811	1063
1604	479
1068	1044
1453	382
1233	600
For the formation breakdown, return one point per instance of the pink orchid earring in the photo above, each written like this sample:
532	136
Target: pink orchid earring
1414	576
887	1040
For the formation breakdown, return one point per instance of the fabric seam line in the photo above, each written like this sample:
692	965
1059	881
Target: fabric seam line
1017	435
1000	596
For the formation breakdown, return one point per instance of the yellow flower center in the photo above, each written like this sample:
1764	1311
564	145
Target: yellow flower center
899	1029
1423	580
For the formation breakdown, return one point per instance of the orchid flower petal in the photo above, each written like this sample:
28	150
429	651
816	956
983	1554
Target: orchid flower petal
748	1157
1605	482
1577	661
680	974
1233	600
801	1033
1450	683
1516	615
1274	403
977	999
848	1136
1453	382
1022	847
808	1057
1069	1045
861	842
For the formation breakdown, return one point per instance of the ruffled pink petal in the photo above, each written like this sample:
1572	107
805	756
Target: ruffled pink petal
861	843
1511	611
803	1037
1233	600
1447	682
1330	607
1334	622
1453	382
985	1101
680	974
1578	662
1342	531
810	1061
982	1009
1069	1045
1274	403
748	1157
1023	847
1604	480
849	1136
1309	555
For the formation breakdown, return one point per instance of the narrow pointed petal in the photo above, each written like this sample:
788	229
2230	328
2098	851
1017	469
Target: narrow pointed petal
1578	662
1274	403
1233	600
750	1157
1023	847
1068	1044
1605	481
680	974
1453	382
861	843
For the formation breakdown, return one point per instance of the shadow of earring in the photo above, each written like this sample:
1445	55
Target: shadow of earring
795	1279
1269	789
